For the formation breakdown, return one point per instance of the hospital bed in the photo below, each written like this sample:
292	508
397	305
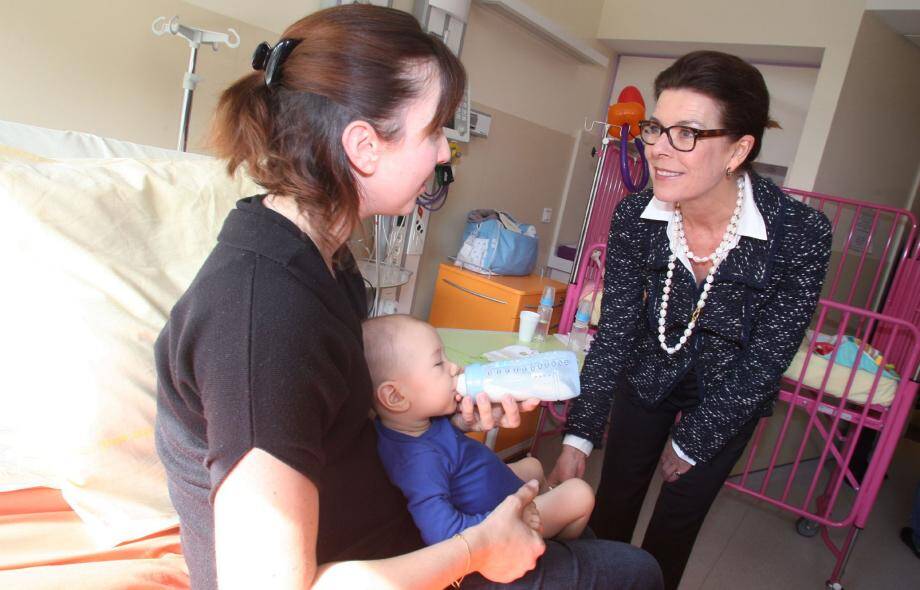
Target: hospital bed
99	237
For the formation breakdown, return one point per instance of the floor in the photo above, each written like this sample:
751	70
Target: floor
747	544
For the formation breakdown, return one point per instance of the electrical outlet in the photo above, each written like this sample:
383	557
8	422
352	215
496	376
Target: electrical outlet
418	226
547	215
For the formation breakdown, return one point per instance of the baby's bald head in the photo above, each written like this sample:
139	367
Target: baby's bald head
413	379
385	339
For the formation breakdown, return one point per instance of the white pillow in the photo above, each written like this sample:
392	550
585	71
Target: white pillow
54	143
94	255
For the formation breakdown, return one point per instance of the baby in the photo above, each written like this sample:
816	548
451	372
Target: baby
451	481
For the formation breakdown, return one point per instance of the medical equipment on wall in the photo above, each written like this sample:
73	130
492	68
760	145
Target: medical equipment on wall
458	129
480	123
445	19
391	267
196	38
434	200
625	115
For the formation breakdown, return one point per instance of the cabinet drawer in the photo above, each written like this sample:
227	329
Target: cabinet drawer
465	304
463	299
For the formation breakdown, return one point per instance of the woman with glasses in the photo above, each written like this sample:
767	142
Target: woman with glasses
712	276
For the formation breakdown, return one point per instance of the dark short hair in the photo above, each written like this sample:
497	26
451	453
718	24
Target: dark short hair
737	86
352	62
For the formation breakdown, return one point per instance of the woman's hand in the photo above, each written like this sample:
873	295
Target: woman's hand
505	546
484	415
672	466
571	463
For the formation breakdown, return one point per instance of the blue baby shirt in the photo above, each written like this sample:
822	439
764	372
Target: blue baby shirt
451	481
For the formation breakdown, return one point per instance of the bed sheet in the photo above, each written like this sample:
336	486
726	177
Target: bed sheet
45	545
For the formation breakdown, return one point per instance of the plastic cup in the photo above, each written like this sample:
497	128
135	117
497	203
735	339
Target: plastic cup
529	321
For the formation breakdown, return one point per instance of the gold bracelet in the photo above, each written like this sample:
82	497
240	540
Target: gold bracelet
469	558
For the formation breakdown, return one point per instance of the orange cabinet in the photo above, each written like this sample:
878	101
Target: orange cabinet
465	299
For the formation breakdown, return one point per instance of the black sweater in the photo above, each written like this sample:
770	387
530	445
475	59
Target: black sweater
264	351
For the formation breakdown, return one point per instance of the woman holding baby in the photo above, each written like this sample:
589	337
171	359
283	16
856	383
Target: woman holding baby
264	394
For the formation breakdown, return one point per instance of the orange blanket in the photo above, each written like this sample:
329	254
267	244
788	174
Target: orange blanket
43	545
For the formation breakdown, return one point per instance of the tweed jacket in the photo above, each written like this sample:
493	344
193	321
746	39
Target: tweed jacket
763	296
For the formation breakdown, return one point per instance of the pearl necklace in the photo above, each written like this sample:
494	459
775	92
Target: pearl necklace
722	250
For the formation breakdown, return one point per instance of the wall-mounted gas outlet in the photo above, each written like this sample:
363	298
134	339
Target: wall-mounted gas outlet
480	123
418	225
547	215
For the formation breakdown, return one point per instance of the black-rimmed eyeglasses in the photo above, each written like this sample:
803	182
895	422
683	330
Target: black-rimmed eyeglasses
681	137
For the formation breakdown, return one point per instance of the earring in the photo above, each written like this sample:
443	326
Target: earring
728	172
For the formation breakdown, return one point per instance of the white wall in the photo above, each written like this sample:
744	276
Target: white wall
579	17
790	87
513	70
827	24
873	149
95	66
274	17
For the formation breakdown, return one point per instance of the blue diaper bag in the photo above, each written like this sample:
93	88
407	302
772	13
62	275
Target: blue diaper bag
497	244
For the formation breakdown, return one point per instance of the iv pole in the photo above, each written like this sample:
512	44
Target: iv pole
195	37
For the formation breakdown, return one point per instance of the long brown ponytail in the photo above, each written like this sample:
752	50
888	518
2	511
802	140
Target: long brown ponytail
353	62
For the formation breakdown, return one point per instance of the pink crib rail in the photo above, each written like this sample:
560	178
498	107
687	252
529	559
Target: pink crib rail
902	302
826	492
608	190
869	242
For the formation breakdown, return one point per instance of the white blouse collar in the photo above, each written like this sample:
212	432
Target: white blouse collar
750	224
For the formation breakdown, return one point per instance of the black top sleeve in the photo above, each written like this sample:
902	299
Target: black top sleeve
271	383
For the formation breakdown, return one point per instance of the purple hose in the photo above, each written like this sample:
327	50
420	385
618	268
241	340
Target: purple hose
624	161
433	201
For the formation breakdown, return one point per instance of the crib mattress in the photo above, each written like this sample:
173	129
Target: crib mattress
839	376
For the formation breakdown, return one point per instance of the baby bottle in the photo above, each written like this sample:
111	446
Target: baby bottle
549	376
578	335
546	313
